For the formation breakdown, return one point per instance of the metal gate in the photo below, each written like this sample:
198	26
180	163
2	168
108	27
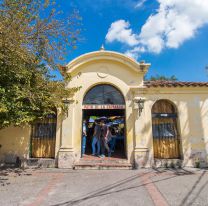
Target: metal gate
166	138
43	138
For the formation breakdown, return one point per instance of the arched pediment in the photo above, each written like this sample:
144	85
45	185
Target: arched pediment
107	56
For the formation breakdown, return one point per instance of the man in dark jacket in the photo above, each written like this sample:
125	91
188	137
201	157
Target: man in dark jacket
96	139
104	139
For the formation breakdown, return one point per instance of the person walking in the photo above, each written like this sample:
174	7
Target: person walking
96	140
111	139
104	139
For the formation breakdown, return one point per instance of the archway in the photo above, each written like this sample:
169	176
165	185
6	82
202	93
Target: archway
104	102
166	138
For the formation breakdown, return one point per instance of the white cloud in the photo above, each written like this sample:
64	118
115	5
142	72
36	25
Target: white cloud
101	4
140	3
119	31
135	52
175	22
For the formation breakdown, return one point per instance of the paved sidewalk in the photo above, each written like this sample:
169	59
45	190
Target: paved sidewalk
60	187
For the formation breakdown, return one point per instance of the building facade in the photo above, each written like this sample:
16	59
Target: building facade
161	120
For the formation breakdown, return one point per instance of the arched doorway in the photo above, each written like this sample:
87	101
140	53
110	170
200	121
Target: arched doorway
166	138
105	102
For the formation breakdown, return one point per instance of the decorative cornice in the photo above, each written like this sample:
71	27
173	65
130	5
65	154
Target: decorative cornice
107	55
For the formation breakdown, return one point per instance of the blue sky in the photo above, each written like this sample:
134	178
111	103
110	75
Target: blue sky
172	36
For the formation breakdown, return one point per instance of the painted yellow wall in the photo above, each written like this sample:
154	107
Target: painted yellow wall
93	73
14	142
126	75
192	106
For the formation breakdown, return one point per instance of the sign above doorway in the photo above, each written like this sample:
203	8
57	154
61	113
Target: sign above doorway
103	106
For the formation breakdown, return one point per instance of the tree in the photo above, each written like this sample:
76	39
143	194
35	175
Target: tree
162	78
34	38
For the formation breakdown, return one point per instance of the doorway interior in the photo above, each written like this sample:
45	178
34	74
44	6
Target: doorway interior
115	120
105	101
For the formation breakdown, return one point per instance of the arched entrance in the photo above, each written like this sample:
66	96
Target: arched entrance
166	138
105	103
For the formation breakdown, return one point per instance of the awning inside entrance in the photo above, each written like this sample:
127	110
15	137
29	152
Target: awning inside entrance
101	112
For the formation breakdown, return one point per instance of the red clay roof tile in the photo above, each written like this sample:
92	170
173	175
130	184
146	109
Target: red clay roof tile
163	83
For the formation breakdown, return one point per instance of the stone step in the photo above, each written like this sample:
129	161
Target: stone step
39	162
105	161
167	163
102	165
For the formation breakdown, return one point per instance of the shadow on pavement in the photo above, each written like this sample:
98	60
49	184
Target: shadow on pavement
178	172
106	190
186	198
6	172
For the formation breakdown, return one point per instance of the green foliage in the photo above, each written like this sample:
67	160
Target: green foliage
33	40
162	78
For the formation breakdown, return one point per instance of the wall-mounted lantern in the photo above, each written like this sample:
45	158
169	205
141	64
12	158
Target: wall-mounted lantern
140	104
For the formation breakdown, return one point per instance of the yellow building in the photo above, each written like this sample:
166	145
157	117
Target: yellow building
155	123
